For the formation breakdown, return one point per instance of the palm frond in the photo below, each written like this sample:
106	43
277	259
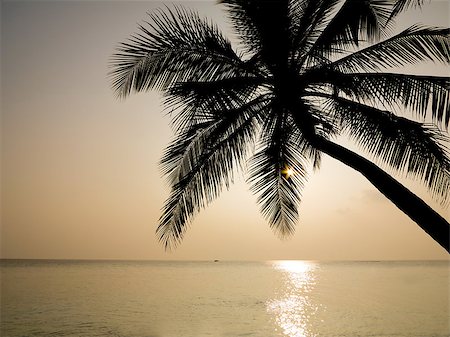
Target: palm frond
402	144
186	145
177	45
243	14
201	162
263	26
278	192
411	46
421	94
402	5
356	20
308	19
217	124
208	97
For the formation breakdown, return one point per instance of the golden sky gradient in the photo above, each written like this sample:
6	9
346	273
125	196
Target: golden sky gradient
79	168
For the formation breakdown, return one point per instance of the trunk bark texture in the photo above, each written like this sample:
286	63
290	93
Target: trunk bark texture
428	219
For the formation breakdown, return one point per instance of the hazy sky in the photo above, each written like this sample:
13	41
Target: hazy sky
79	169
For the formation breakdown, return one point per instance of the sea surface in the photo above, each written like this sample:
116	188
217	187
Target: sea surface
199	299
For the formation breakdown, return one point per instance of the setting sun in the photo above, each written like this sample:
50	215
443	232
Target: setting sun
287	172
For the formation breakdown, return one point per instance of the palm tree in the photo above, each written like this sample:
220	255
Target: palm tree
307	71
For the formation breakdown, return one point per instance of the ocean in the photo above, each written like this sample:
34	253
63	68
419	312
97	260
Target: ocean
199	299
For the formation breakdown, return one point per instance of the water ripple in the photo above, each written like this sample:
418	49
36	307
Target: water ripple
293	310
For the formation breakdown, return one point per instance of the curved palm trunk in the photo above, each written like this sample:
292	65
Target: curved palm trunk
428	219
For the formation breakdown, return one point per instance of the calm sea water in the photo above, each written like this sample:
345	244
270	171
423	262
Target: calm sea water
199	299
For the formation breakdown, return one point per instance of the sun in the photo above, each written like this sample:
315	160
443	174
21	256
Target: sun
287	172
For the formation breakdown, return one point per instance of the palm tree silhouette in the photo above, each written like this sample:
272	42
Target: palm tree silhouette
307	71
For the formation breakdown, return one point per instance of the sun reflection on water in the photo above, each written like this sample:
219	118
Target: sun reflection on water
294	310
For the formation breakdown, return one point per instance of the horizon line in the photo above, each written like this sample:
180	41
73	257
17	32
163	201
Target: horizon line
211	260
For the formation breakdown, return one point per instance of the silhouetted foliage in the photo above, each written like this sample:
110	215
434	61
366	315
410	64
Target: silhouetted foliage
307	71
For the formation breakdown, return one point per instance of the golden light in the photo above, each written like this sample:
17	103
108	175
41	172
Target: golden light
287	172
295	267
293	311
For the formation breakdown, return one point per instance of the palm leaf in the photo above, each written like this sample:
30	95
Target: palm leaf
264	27
355	20
278	194
208	97
421	94
203	125
411	46
201	162
308	19
177	45
402	5
400	143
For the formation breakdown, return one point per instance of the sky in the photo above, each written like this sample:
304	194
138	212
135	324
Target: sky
79	168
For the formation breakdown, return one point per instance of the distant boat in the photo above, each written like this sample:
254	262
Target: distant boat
216	260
